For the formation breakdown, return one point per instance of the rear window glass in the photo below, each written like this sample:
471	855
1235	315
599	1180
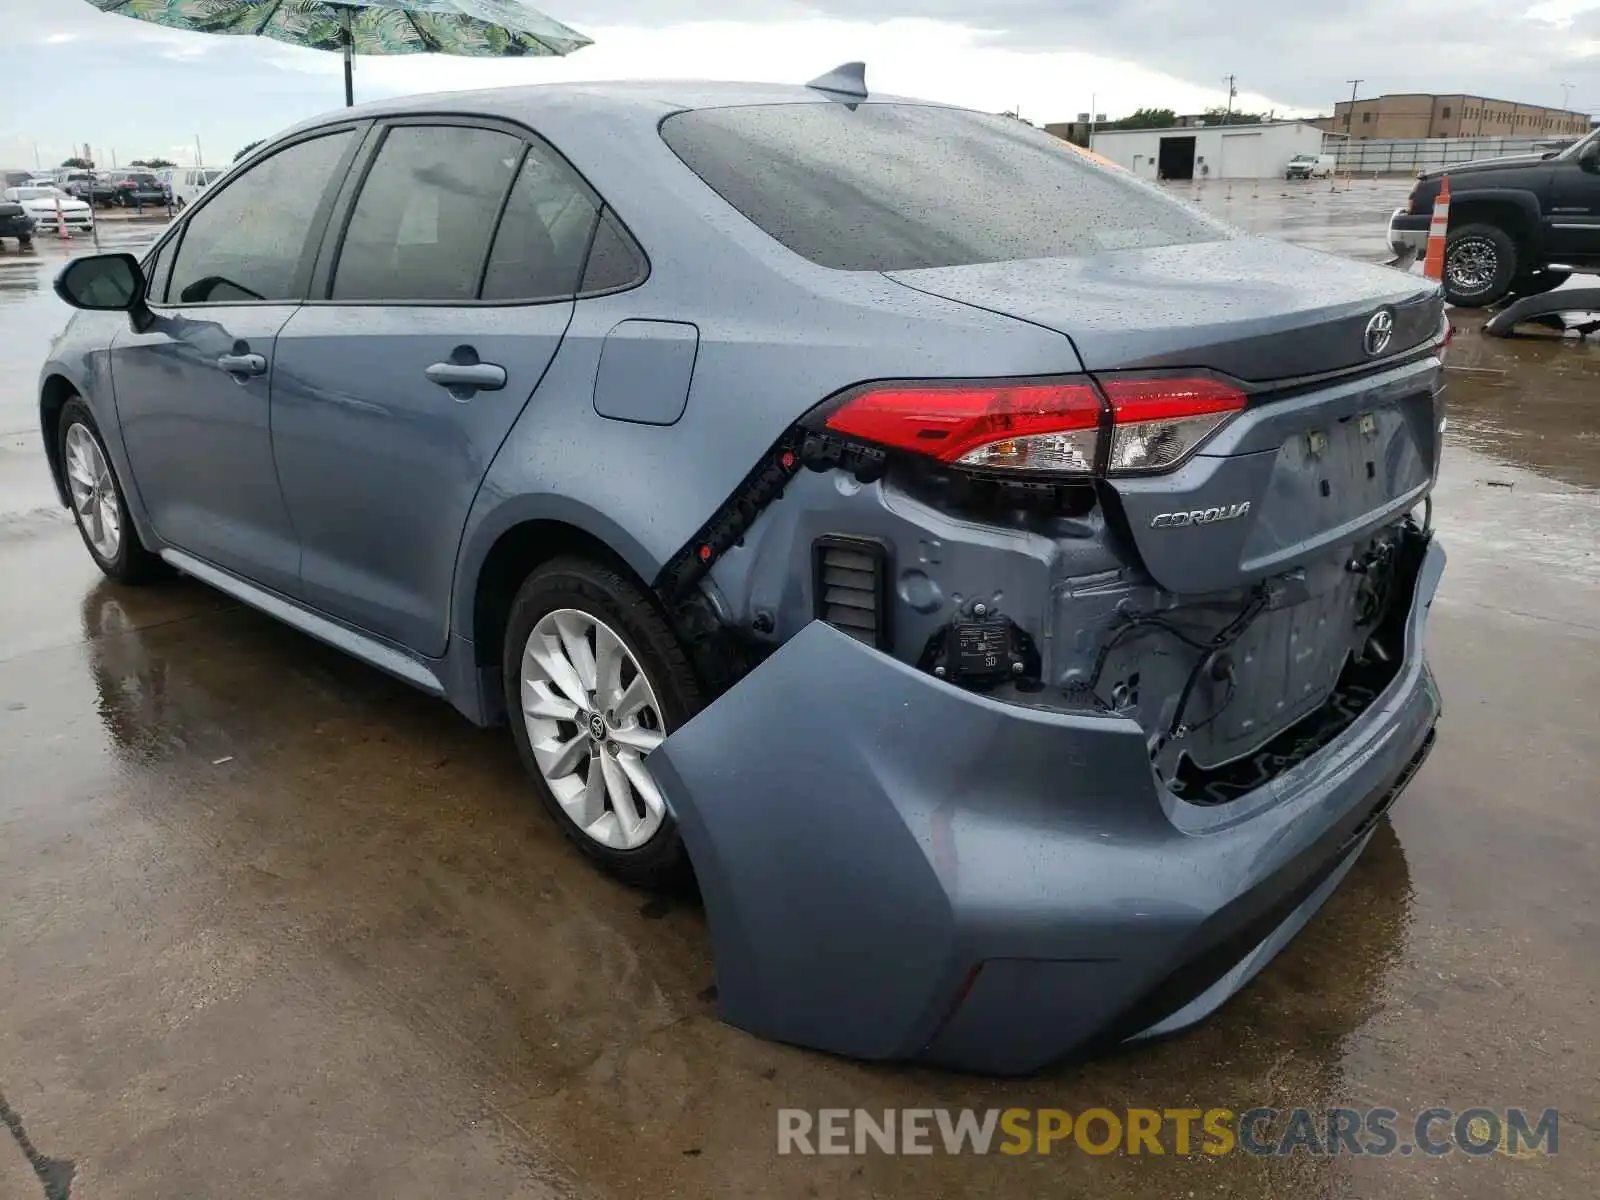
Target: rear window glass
897	186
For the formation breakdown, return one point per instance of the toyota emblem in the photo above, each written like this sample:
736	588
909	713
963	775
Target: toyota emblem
1379	330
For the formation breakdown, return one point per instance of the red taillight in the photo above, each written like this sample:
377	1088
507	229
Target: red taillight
1046	426
1038	426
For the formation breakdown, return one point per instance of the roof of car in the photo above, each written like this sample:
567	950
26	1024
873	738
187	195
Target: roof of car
648	98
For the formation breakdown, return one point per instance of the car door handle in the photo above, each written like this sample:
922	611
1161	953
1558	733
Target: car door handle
487	377
243	364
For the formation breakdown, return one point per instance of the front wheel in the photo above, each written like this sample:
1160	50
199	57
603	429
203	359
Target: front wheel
97	502
1480	261
594	682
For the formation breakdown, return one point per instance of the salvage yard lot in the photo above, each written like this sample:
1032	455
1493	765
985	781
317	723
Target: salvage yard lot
276	925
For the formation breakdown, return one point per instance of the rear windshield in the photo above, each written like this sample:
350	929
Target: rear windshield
891	187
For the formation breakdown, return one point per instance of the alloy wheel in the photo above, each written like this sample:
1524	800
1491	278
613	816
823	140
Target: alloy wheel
592	719
94	492
1471	266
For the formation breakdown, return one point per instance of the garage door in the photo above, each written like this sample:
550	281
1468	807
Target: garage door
1241	156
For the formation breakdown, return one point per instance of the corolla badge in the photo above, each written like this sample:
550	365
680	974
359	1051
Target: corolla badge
1380	329
1200	516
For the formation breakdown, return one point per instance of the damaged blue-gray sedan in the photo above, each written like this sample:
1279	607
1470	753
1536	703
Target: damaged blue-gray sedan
1001	585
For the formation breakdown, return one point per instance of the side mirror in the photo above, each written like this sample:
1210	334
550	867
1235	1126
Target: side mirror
1589	157
103	283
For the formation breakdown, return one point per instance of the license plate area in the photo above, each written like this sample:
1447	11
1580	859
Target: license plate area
1336	473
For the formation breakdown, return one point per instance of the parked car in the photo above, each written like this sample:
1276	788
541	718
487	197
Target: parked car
187	185
130	189
89	187
1310	166
997	579
42	203
1519	225
15	223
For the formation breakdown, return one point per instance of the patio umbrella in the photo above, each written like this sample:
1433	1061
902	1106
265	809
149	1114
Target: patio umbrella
474	28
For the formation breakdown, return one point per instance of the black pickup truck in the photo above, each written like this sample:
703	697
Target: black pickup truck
1518	226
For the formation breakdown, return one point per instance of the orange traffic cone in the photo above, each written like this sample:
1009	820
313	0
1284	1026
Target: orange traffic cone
61	222
1438	230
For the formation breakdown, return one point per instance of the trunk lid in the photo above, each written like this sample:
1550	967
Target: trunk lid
1309	468
1243	306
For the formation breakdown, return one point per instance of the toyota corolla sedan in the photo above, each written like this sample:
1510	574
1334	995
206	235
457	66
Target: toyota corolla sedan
1002	586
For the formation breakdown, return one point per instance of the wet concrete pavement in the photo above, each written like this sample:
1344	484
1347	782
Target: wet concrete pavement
277	926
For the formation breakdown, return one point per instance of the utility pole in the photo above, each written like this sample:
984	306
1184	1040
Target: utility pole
1350	116
1232	92
198	161
1566	95
1091	120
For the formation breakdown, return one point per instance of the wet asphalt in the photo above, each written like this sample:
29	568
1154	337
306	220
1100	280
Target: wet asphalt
274	925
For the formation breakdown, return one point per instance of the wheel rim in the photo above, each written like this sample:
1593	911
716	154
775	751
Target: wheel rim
1472	266
94	492
592	720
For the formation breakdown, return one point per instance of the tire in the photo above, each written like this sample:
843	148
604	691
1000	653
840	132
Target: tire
1539	283
25	243
550	611
123	558
1480	261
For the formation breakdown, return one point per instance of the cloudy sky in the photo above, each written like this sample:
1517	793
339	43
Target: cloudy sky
72	75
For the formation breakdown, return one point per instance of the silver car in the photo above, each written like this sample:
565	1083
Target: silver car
996	581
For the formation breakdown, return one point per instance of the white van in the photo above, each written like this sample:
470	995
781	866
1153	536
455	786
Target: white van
187	185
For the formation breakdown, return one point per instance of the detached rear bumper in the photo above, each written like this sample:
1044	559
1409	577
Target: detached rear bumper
896	868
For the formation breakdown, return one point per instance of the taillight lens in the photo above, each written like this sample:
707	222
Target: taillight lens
1041	426
1048	426
1159	421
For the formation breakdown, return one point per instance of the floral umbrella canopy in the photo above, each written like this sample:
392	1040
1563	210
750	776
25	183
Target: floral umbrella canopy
474	28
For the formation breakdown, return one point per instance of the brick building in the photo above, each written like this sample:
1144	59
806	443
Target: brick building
1418	115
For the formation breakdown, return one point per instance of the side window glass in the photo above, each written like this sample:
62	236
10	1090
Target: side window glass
538	249
248	242
421	226
157	270
614	261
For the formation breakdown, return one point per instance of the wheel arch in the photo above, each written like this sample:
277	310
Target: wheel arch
521	535
54	393
1517	213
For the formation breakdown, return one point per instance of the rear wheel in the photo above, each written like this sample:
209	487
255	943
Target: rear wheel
594	682
97	503
1480	261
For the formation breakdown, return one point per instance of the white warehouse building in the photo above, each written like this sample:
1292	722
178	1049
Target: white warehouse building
1209	151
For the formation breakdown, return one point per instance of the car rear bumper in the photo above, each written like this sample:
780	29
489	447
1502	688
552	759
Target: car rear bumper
1408	234
896	868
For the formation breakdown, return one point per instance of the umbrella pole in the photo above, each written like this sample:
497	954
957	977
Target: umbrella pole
349	57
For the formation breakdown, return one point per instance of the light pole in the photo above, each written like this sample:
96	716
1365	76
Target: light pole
1232	92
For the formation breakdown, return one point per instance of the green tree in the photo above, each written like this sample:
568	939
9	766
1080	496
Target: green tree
1221	116
83	164
154	164
246	150
1145	118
